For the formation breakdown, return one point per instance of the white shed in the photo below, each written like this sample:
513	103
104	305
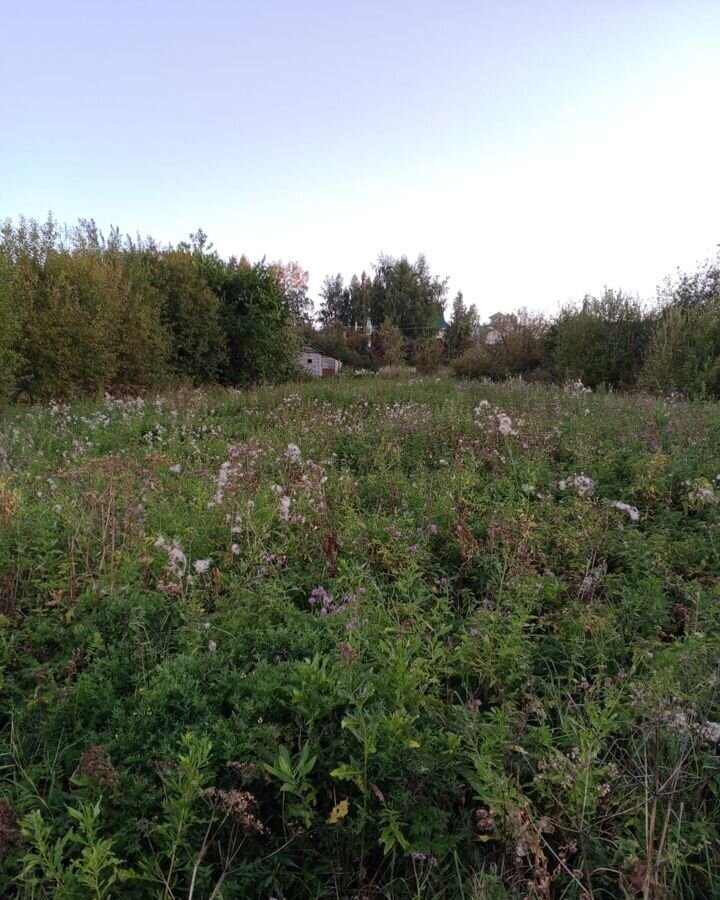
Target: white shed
314	362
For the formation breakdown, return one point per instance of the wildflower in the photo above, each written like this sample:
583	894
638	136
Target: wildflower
236	805
703	493
235	549
212	646
632	511
346	652
202	566
95	763
581	484
283	506
176	469
176	558
505	425
293	454
710	731
9	831
484	820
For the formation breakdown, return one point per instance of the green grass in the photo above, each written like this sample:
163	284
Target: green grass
501	688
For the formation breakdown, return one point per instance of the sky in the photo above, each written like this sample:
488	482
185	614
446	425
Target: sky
534	151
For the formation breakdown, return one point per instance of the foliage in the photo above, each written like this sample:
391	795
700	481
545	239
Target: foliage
360	637
427	355
407	295
350	347
602	341
684	353
294	282
462	329
9	329
346	306
513	344
388	344
257	323
81	313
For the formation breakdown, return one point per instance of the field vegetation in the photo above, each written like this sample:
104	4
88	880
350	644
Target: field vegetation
404	637
82	313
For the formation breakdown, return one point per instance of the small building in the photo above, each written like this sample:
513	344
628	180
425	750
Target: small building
314	362
442	326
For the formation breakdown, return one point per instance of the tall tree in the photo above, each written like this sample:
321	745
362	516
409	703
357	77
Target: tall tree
294	281
408	295
462	328
335	301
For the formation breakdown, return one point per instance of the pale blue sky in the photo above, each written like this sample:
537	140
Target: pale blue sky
533	150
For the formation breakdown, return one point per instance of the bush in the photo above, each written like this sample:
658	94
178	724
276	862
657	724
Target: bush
602	341
262	345
9	359
82	314
427	355
684	353
347	346
512	345
396	371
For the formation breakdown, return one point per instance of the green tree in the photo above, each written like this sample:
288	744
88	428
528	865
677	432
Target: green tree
462	329
257	321
684	352
335	301
388	344
408	295
190	313
603	340
294	282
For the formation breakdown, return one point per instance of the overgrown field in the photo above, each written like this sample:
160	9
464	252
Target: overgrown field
361	638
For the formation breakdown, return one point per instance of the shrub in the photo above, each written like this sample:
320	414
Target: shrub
603	340
190	314
427	355
340	343
388	345
9	358
684	352
261	343
81	313
513	345
397	371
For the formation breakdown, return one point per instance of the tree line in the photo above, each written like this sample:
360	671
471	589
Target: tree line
82	312
612	340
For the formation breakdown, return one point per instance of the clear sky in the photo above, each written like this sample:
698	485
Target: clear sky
535	151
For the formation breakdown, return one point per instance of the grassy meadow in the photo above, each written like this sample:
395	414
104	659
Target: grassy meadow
364	637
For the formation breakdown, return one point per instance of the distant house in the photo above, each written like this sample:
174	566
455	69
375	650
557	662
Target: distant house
314	362
441	325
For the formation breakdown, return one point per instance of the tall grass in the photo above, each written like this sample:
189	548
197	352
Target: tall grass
410	637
